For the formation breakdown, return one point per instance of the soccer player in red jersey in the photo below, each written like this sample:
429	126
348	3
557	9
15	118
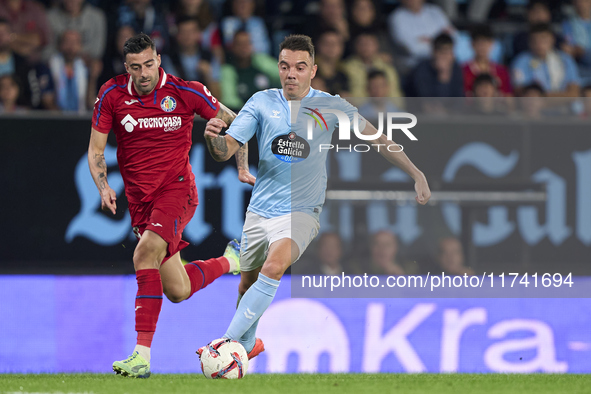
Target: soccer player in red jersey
152	115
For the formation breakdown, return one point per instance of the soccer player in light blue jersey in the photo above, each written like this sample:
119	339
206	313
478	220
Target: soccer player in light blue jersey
282	217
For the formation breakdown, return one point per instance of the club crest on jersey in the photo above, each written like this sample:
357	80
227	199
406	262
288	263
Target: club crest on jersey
168	104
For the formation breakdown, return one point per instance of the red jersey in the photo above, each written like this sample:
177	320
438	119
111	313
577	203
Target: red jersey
153	131
497	71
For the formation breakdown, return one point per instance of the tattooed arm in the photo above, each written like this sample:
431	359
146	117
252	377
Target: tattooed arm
222	148
98	170
244	174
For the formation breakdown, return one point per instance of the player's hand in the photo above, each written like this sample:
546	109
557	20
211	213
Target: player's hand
214	128
109	200
246	177
422	189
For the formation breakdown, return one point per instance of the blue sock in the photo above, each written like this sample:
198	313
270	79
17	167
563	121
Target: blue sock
253	304
249	338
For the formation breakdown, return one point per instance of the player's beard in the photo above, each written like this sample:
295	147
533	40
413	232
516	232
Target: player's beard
147	89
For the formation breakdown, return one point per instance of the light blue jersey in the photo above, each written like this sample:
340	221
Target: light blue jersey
291	174
527	69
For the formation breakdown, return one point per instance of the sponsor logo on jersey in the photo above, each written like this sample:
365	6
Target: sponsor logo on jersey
276	114
131	102
167	123
168	104
290	148
129	123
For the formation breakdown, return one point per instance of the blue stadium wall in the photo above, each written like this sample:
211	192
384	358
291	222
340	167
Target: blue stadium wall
48	322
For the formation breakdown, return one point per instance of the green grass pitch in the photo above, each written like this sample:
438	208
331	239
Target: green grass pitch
300	383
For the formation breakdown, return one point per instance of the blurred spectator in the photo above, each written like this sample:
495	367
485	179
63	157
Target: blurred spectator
379	101
440	76
243	18
75	86
188	61
365	58
532	101
86	19
484	85
329	252
31	31
414	25
577	31
319	83
477	10
451	257
554	70
37	89
147	18
332	15
114	60
538	11
482	42
486	92
246	72
364	18
383	252
328	57
9	95
211	37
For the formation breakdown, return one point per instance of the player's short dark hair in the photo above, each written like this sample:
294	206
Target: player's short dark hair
482	79
585	88
481	31
371	74
441	41
138	44
4	21
541	28
534	86
298	42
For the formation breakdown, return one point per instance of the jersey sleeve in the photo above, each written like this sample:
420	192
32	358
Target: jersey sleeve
350	111
102	116
201	100
246	123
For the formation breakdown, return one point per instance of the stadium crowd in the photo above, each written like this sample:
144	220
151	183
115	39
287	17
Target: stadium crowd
379	254
55	54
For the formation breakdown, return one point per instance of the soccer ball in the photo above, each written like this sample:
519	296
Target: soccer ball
224	359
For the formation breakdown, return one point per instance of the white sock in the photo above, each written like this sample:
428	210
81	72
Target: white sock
233	264
144	351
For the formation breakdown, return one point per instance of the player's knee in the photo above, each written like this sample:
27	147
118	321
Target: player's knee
273	269
176	293
146	257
